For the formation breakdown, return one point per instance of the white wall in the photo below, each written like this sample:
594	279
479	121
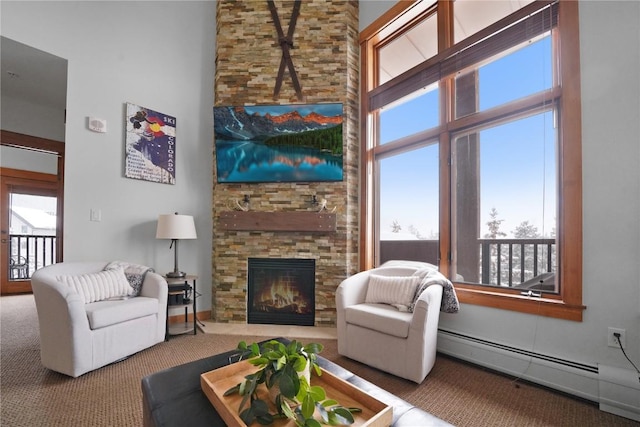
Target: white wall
370	10
17	116
611	202
159	55
49	124
18	158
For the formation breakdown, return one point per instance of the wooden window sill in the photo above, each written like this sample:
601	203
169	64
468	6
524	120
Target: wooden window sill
542	306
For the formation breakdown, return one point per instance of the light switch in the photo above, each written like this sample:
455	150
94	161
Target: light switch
96	215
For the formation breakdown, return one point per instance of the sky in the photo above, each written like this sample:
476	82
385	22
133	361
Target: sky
517	160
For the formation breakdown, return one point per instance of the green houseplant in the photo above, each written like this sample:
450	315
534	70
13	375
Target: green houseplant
282	371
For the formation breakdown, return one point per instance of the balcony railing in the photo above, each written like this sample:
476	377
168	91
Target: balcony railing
498	262
410	250
510	262
29	252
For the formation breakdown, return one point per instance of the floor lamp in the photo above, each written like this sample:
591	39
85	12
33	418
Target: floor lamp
175	227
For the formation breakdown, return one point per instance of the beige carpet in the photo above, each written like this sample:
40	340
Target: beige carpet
462	394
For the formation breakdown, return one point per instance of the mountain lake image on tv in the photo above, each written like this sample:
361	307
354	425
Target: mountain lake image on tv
278	143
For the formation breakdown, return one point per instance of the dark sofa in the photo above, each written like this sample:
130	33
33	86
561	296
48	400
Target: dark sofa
173	397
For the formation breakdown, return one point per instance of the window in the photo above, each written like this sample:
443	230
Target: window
472	155
416	44
410	116
409	219
504	204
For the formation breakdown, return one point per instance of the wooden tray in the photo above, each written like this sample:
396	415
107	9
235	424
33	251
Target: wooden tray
215	383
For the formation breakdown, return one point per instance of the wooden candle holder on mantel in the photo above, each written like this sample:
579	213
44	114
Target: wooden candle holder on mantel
278	221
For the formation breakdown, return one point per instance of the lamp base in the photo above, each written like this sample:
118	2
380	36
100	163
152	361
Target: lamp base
176	274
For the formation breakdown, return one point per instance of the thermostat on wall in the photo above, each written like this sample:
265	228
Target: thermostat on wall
97	125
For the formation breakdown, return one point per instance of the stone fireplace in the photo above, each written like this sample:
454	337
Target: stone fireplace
325	54
281	291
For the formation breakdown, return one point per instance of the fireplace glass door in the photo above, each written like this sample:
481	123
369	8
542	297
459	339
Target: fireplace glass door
281	291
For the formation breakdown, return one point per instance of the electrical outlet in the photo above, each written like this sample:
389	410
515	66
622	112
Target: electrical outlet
613	341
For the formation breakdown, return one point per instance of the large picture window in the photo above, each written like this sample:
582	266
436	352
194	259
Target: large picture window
472	158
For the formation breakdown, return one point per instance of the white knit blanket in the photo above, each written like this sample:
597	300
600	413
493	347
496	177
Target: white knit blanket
449	303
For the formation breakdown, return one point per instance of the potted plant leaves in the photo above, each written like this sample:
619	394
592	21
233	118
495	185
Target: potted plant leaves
285	371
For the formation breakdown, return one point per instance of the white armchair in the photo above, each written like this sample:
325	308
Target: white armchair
380	335
77	337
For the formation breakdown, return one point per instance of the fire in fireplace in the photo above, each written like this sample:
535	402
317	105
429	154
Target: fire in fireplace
281	291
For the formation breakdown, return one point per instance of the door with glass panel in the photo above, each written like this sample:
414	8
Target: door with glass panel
28	230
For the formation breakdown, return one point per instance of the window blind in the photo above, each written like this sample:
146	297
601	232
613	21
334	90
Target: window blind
539	18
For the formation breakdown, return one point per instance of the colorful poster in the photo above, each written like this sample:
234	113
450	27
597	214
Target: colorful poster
150	147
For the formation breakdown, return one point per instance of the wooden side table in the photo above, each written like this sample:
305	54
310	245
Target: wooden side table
188	295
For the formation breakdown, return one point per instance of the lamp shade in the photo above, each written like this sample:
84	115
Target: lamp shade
174	226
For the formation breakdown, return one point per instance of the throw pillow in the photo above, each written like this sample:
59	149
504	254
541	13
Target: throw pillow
99	286
394	290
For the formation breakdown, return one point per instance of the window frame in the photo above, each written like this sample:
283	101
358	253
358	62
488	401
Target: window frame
568	303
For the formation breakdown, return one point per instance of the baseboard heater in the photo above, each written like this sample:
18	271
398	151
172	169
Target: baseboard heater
617	390
528	353
567	376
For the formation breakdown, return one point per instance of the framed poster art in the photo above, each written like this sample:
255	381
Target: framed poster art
150	145
278	143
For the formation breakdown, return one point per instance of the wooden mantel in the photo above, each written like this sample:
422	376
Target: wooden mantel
278	221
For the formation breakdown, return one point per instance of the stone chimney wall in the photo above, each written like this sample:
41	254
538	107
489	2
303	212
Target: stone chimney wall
326	59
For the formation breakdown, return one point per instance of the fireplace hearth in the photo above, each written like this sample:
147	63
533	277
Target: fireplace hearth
281	291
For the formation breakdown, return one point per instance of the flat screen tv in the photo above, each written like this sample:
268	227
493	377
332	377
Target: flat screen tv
278	143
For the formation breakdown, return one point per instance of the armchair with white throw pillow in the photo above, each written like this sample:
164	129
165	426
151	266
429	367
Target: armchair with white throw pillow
95	313
388	317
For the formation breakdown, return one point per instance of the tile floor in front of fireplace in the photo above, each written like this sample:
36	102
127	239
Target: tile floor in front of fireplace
210	327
